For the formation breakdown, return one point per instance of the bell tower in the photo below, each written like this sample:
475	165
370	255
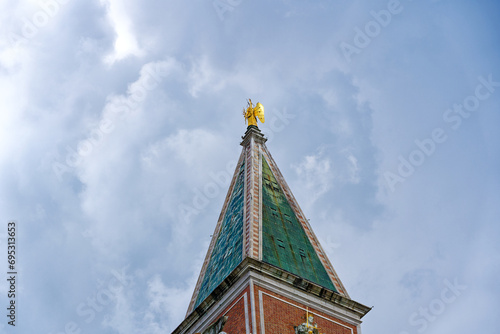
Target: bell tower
265	271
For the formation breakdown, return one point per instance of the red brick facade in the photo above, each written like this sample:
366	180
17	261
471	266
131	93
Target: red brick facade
282	314
236	322
279	315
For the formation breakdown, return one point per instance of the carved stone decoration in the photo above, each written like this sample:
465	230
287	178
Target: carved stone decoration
216	328
308	327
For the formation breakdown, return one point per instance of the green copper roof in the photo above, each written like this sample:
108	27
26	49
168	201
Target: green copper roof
228	249
284	241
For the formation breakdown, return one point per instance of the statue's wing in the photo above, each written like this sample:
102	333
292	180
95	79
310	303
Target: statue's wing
259	111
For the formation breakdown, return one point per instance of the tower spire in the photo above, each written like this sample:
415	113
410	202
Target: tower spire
263	241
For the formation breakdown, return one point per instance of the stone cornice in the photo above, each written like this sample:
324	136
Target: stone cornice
252	131
250	265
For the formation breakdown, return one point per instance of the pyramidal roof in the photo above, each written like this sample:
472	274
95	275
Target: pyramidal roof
262	220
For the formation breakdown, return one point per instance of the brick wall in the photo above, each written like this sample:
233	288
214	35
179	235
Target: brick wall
282	314
236	322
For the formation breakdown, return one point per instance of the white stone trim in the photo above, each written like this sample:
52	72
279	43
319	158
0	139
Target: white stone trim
261	242
247	323
252	306
245	231
261	312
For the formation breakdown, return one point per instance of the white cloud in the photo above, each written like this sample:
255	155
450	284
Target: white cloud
166	307
203	76
316	174
192	147
123	317
164	303
125	42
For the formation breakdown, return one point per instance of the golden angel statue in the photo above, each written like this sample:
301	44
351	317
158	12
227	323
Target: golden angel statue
252	113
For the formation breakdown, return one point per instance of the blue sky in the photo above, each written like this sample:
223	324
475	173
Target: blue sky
121	123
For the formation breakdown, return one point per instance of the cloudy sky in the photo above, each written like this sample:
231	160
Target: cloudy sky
120	124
